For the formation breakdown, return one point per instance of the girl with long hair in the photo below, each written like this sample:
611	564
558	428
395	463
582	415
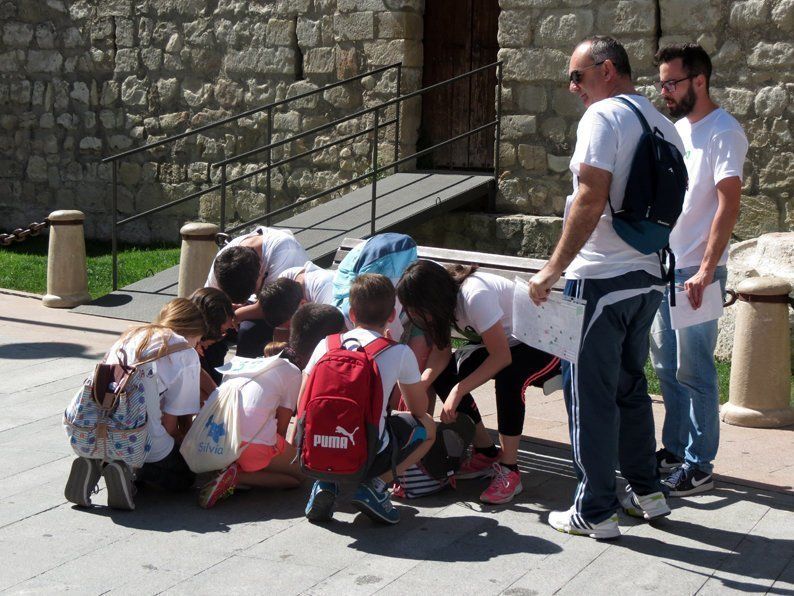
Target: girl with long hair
478	305
172	398
269	400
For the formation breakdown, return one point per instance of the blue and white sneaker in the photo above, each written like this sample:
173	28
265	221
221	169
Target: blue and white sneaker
687	481
320	507
571	522
667	462
374	504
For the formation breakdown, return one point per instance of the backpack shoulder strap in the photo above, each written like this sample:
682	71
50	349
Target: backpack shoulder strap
334	342
379	345
168	351
645	126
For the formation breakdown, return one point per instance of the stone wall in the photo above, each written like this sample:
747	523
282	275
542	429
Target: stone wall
751	45
81	80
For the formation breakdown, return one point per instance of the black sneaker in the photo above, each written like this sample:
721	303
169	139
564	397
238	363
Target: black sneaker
83	480
688	481
118	478
667	462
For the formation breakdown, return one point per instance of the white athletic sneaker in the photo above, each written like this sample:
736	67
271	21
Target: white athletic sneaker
650	507
571	522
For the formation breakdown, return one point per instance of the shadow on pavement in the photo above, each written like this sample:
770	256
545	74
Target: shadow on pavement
35	350
726	552
160	511
450	539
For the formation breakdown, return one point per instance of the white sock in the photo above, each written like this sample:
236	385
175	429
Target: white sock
378	484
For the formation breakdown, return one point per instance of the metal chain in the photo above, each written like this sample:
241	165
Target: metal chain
21	234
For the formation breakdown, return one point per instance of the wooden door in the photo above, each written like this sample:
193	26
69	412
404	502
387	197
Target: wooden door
460	35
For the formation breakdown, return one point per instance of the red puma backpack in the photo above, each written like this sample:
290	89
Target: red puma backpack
339	417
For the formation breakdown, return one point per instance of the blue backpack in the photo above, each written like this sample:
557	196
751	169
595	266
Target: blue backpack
654	195
388	254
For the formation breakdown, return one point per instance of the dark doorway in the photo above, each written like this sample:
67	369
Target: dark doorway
460	35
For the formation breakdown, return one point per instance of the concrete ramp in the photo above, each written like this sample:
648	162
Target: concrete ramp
403	200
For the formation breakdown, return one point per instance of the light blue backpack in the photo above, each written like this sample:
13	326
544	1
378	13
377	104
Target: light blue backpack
388	254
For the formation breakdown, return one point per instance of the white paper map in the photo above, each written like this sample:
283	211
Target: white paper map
554	327
683	315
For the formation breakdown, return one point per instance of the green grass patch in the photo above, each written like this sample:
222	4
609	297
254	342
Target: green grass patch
23	266
723	379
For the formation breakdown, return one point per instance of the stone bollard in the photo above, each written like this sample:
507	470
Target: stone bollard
67	280
760	390
195	259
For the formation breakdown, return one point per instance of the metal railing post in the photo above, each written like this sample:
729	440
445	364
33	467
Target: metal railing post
374	173
397	106
268	198
113	232
223	198
497	135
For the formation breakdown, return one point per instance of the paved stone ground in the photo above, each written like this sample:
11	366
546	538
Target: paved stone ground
737	538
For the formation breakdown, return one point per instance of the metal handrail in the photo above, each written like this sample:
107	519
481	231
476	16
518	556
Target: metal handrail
269	108
364	112
305	153
378	169
250	112
375	168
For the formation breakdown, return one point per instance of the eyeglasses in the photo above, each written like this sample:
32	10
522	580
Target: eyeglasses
670	85
575	76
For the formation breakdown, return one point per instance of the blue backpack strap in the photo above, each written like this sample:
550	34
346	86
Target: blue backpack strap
645	126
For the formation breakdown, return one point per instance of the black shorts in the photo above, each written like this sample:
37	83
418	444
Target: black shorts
170	473
408	432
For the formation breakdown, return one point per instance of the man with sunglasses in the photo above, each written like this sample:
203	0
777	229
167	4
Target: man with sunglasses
684	360
609	409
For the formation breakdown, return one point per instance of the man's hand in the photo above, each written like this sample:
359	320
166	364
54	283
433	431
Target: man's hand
696	285
541	284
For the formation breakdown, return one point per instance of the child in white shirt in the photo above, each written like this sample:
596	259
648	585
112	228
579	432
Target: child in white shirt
372	300
270	388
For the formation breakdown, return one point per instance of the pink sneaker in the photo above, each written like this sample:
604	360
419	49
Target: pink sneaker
505	485
219	487
477	465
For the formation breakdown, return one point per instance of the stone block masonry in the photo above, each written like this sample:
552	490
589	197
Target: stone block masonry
750	44
83	79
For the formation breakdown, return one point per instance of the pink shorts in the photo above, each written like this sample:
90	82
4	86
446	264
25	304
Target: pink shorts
258	456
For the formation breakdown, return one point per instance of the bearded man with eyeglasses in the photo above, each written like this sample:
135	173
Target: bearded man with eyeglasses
606	393
716	147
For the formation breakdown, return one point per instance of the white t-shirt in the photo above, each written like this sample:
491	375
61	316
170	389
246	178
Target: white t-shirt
318	284
485	299
397	364
715	148
277	387
177	383
280	250
606	138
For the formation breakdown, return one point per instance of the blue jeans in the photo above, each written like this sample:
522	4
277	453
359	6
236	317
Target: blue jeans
606	394
684	362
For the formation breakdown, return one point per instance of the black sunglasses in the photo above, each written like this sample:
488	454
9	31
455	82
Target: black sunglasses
575	76
670	85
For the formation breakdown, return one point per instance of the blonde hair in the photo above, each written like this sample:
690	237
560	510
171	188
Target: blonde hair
178	316
275	347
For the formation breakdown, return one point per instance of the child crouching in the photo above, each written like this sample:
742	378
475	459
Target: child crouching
402	439
269	399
